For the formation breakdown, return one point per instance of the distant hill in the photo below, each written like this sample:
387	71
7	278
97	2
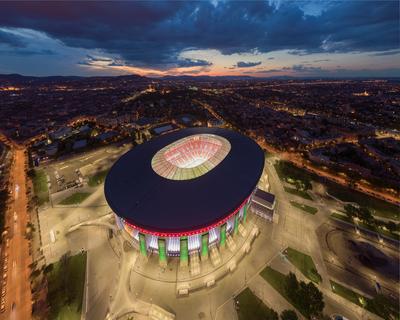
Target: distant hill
206	78
17	78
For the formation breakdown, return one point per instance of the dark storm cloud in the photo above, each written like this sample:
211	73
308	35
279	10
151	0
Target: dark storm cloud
148	33
194	63
27	52
242	64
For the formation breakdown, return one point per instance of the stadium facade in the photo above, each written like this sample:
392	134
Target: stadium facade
185	191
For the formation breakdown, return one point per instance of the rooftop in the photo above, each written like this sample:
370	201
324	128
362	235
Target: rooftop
147	200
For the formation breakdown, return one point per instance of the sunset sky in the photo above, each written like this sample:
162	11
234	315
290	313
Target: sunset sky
255	38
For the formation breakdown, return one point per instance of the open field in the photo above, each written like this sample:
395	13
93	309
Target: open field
347	294
40	187
304	207
369	304
378	207
290	173
304	263
252	308
277	280
75	198
377	229
65	288
297	192
98	178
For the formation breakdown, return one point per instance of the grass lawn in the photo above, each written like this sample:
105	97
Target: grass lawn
40	188
277	280
347	293
360	300
287	172
378	207
296	192
304	263
98	178
252	308
304	207
381	231
65	288
75	198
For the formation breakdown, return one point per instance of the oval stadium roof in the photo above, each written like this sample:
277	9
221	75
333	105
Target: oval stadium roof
147	200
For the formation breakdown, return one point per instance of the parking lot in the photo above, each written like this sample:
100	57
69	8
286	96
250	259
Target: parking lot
74	171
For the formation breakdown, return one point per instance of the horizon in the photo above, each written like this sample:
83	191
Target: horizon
283	77
206	38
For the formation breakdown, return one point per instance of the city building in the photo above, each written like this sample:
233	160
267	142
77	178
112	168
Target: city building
184	191
263	204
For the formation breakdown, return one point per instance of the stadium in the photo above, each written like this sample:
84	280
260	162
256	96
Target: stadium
184	191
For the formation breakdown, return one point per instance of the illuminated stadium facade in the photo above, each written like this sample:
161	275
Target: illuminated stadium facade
185	191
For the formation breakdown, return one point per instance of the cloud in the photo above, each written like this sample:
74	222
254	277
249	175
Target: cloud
322	60
193	63
386	53
27	52
154	34
242	64
11	39
303	68
98	59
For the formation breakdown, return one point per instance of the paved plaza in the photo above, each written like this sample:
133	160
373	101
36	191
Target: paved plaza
120	282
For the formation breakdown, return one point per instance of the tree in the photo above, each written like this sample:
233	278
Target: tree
351	211
288	315
366	215
312	299
292	286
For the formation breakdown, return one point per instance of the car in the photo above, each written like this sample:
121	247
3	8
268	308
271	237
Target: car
5	267
3	307
3	292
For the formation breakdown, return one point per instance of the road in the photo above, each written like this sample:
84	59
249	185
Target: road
297	160
18	283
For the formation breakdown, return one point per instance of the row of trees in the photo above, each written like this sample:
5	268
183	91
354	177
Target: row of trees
365	215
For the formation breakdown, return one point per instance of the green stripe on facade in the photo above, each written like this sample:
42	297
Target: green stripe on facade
184	254
162	253
204	245
222	237
142	243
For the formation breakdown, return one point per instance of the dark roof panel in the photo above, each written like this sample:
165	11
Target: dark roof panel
266	196
139	195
